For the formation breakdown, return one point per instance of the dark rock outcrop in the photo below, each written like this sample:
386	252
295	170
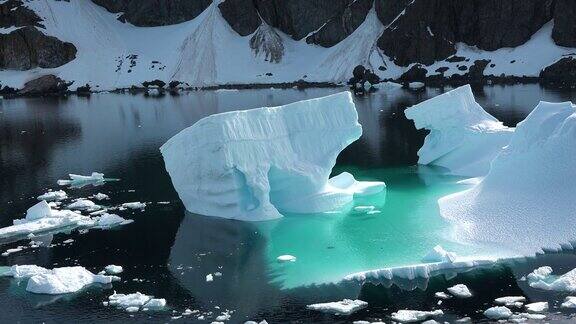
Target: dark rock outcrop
155	12
417	73
476	71
45	85
388	10
342	25
13	13
561	72
564	32
267	42
27	48
298	18
429	29
241	15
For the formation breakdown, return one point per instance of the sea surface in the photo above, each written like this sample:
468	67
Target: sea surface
167	252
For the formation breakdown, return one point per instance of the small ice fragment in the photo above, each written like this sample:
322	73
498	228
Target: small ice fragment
156	303
68	241
442	295
286	258
101	196
135	300
187	312
218	274
373	212
343	307
498	312
53	195
134	205
416	85
569	302
408	316
113	269
538	307
540	273
460	291
515	301
223	317
83	204
438	254
209	277
132	309
110	220
364	209
10	251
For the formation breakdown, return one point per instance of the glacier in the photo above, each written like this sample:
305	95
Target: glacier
463	137
257	164
526	202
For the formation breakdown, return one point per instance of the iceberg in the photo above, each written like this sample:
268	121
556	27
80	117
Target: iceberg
257	164
463	137
526	202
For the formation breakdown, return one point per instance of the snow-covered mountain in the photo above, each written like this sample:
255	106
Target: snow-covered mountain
111	44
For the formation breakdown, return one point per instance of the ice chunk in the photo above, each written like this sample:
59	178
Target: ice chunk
256	164
53	195
113	269
526	202
58	280
343	307
78	181
463	137
134	205
498	312
209	277
111	220
101	196
538	307
40	210
542	278
135	300
155	303
286	258
416	85
515	301
438	254
409	316
460	291
84	204
442	295
569	302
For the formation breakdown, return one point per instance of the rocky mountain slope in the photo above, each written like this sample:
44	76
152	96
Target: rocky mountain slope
110	44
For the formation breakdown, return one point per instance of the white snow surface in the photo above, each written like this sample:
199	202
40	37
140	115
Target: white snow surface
409	316
256	164
58	280
463	137
525	203
343	307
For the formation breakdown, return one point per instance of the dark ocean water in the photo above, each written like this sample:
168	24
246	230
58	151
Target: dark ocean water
167	252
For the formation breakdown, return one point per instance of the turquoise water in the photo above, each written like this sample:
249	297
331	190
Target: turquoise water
330	246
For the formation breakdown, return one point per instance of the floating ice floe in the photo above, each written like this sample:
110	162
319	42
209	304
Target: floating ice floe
498	312
538	307
113	269
78	181
409	316
526	202
134	205
58	280
542	278
442	295
460	291
511	301
40	218
286	258
343	307
135	302
84	204
209	277
101	196
256	164
463	137
53	195
416	85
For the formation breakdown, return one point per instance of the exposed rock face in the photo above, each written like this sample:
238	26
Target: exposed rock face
388	10
267	42
47	84
241	15
564	32
429	29
342	25
155	12
298	18
28	48
416	73
12	13
562	72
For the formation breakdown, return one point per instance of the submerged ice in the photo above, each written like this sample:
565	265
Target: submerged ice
463	137
257	164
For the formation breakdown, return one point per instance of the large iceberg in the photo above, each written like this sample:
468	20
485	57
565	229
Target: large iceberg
526	202
256	164
463	137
